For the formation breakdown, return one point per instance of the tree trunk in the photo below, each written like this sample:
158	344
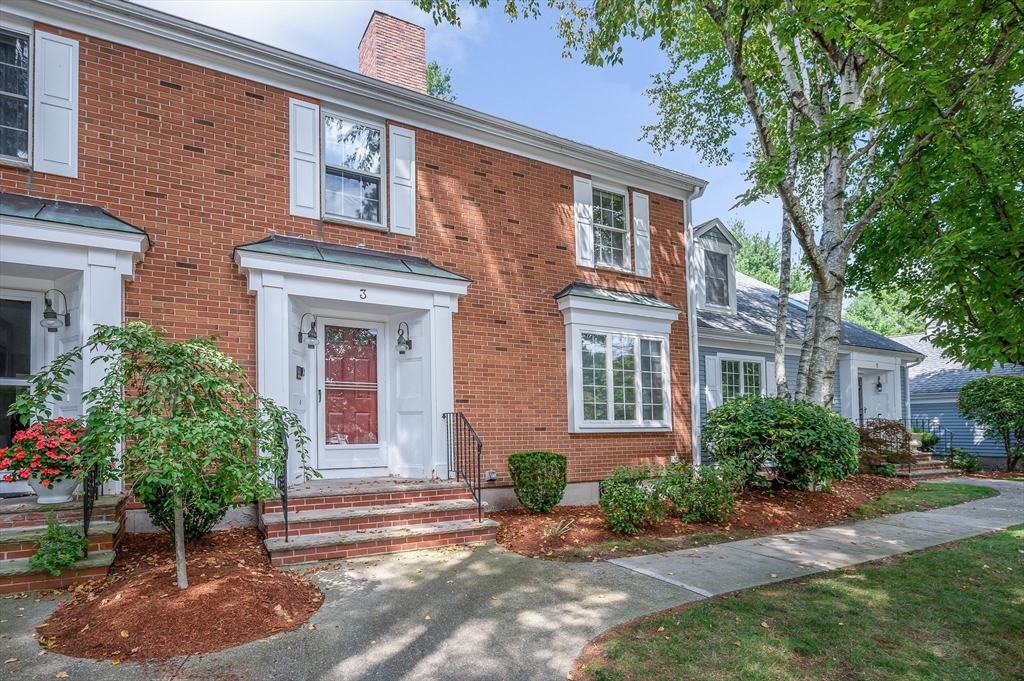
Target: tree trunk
782	315
179	543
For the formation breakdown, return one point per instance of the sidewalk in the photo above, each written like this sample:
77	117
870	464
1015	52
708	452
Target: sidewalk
488	613
722	568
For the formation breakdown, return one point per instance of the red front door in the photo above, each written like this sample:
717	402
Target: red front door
350	401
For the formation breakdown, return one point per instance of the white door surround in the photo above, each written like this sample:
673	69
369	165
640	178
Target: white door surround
860	375
417	387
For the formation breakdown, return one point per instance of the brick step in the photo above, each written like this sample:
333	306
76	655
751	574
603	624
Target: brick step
323	494
18	575
23	542
26	512
311	548
368	517
918	473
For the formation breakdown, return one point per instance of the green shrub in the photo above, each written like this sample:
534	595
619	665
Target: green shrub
801	444
886	470
968	463
539	479
630	498
996	403
708	495
59	548
202	506
929	440
884	441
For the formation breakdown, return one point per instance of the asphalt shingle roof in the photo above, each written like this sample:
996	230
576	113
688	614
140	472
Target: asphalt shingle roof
938	374
756	306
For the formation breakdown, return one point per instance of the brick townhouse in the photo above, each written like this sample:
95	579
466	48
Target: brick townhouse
375	257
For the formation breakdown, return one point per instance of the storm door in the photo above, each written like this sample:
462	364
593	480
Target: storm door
351	402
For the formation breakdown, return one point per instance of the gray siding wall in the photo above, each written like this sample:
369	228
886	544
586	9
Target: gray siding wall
792	364
965	433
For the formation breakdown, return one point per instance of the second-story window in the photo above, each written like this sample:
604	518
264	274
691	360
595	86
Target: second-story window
611	233
716	278
353	170
14	96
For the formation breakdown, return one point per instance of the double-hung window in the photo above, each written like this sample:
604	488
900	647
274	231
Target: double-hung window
353	170
716	278
741	377
611	230
14	96
623	379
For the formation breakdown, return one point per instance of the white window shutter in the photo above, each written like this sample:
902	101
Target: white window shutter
304	158
712	382
584	210
403	181
55	115
768	385
642	234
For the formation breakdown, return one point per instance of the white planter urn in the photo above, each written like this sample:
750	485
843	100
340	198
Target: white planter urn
61	492
915	440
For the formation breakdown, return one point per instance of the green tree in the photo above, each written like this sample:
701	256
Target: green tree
850	92
996	403
180	412
885	312
759	257
439	82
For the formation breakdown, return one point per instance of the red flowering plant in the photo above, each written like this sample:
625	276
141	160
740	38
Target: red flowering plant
48	451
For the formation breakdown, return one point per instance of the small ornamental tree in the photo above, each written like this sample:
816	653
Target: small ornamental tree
181	413
996	403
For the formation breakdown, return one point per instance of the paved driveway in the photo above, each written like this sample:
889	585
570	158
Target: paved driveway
496	615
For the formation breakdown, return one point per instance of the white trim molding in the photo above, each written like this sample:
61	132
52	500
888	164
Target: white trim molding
705	244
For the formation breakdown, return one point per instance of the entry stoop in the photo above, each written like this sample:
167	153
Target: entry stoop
23	522
331	519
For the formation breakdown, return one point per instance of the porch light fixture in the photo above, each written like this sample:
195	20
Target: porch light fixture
51	321
878	385
403	342
310	337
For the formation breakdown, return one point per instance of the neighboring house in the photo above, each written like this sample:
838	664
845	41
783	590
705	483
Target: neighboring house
736	341
935	383
374	256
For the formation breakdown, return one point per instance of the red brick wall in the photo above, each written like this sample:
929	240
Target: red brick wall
199	160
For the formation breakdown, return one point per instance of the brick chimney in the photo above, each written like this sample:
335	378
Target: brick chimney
394	51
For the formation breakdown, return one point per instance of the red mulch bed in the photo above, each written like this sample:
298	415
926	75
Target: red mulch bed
757	512
138	612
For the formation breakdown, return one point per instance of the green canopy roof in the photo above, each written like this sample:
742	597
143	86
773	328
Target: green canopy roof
66	212
346	255
616	295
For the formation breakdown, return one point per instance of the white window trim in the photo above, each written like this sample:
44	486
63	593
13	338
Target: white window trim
638	423
584	314
700	280
624	192
384	148
26	32
38	335
750	359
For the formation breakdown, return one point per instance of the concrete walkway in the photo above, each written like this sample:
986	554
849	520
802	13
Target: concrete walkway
487	613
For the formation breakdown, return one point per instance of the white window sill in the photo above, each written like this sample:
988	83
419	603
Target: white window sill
707	307
612	268
622	427
15	163
352	222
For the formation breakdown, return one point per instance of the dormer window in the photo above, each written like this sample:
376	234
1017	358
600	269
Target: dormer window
714	265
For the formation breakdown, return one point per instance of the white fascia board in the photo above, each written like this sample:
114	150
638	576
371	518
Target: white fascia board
290	267
62	234
716	337
142	28
608	314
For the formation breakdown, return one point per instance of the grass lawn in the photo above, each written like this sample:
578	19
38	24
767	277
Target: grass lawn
949	612
926	496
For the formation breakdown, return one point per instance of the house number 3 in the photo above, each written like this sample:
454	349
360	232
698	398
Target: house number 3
362	293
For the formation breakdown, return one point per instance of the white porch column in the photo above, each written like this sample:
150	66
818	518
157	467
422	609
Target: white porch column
272	348
442	371
848	402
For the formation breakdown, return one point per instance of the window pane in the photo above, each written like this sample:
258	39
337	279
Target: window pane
9	425
14	64
653	397
716	278
730	378
624	377
751	378
595	377
609	210
352	196
352	146
15	338
610	247
13	96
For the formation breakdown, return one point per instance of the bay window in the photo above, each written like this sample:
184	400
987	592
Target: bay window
622	378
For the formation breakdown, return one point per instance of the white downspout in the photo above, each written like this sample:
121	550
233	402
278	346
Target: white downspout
691	320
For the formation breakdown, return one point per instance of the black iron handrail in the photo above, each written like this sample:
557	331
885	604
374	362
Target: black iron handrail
90	493
282	480
464	449
944	447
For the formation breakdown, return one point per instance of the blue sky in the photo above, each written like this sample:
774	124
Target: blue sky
512	69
